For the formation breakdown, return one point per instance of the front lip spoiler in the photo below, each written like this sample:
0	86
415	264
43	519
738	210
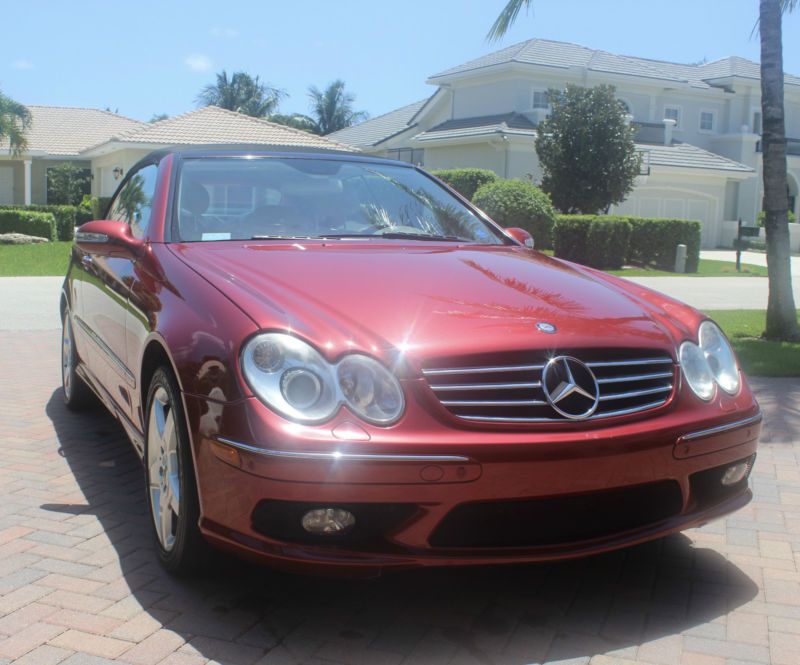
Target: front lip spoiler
339	456
727	427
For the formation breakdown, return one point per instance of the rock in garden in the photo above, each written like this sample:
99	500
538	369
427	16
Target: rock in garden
20	239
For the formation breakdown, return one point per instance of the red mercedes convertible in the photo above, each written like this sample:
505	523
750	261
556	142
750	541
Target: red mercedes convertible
333	362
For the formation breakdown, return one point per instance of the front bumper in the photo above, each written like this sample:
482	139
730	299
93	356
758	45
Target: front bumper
579	477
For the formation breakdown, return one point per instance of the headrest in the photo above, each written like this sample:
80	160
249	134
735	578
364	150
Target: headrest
194	197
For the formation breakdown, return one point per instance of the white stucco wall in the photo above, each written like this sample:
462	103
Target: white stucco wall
104	183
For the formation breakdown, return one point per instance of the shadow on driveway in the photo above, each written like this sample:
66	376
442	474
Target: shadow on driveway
516	614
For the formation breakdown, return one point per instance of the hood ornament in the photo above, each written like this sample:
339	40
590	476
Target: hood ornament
570	387
545	327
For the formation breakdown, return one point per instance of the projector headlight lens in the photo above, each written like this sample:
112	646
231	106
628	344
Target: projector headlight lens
720	357
709	363
294	379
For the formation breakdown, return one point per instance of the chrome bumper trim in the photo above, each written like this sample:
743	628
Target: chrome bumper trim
337	456
752	420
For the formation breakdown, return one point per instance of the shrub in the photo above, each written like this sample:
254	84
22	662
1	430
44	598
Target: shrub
39	224
518	203
762	216
599	242
570	236
100	209
607	242
65	217
653	242
466	181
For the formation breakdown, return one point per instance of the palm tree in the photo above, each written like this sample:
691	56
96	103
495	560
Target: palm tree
14	120
332	108
241	93
781	312
509	14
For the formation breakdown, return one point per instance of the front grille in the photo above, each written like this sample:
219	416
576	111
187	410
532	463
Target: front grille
513	393
558	520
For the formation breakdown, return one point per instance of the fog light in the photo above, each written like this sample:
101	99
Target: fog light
328	521
737	472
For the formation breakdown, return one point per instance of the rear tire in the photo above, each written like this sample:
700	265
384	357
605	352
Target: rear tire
77	395
170	479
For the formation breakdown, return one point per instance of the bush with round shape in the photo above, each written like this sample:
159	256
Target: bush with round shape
518	203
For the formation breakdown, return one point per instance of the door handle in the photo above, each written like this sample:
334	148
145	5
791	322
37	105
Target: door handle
87	260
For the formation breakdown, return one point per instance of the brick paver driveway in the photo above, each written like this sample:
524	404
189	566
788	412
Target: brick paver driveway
80	583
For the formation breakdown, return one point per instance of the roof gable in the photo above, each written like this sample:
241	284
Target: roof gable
213	125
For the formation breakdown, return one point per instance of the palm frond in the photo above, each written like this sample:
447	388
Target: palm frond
507	17
15	119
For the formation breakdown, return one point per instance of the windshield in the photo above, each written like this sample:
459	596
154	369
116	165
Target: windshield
247	198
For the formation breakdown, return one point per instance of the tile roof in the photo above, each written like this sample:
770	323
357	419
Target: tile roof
378	129
210	125
741	67
507	123
66	131
563	55
685	155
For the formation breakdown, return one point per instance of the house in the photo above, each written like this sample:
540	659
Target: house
107	144
698	127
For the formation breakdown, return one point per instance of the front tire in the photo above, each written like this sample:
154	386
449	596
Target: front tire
171	487
77	395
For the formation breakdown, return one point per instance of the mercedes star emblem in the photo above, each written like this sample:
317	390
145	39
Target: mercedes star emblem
570	387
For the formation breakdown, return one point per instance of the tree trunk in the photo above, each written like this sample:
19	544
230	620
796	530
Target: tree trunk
781	313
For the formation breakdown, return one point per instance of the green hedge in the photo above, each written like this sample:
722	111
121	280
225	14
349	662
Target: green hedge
519	203
65	216
466	181
571	236
28	222
610	242
653	242
600	242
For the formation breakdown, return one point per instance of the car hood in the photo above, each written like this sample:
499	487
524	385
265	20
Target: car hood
430	300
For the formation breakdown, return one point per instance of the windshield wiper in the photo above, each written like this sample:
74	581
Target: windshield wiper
397	235
282	237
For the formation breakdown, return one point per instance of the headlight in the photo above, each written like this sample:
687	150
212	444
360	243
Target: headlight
370	389
710	362
290	376
696	370
293	378
720	357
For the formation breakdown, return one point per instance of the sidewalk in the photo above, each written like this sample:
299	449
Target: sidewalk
753	258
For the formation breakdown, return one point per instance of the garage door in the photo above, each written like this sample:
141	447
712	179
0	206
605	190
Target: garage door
675	205
6	185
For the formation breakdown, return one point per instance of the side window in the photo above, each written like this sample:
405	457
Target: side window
134	203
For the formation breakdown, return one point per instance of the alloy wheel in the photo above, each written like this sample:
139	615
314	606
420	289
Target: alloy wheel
66	357
164	470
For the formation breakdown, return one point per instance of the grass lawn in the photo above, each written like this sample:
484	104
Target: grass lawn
758	356
706	268
49	258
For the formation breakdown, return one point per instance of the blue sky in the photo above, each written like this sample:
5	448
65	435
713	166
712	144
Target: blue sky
149	57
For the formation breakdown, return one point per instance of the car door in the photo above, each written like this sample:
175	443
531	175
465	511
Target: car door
106	288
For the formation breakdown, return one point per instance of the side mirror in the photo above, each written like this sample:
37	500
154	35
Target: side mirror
108	238
521	236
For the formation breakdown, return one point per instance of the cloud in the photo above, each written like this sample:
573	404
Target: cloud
198	62
22	64
228	33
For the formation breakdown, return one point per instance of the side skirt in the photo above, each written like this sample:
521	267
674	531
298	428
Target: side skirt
135	436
